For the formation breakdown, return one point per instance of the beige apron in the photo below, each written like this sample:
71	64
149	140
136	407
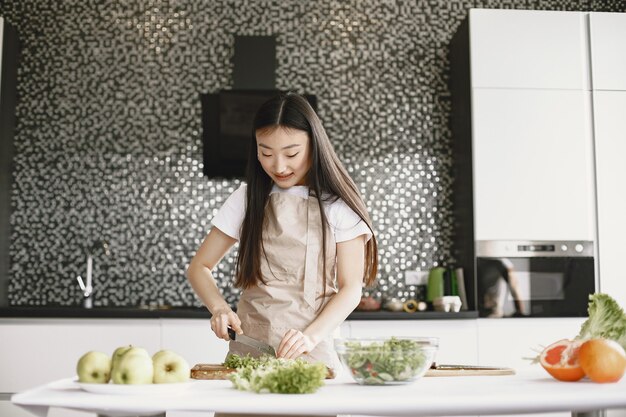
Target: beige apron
293	294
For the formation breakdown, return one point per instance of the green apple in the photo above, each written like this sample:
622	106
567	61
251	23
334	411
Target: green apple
118	353
133	368
94	367
123	350
169	367
134	350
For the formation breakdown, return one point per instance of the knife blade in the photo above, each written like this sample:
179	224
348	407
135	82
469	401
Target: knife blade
248	341
465	367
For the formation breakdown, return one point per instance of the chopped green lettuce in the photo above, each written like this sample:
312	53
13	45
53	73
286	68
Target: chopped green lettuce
276	375
235	361
606	320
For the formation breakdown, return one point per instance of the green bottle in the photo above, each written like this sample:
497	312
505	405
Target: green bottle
454	287
435	284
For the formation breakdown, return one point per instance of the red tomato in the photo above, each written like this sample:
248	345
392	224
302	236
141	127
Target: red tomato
560	359
602	360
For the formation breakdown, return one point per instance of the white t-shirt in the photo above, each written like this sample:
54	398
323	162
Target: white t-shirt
343	221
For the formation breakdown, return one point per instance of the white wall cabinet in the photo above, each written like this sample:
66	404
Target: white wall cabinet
548	96
532	137
548	121
608	50
610	128
528	49
533	164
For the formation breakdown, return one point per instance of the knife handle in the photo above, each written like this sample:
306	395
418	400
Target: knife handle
231	333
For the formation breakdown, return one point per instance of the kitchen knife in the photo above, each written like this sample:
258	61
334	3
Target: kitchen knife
465	367
248	341
467	370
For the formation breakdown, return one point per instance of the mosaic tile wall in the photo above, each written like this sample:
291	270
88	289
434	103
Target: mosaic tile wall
108	142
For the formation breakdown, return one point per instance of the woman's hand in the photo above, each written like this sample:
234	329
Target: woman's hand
222	319
294	344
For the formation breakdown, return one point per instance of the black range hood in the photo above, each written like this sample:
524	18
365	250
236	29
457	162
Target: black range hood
227	115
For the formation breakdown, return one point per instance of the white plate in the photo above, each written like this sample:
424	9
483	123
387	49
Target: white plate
142	389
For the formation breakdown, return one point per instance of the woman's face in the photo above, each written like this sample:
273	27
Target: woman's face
284	155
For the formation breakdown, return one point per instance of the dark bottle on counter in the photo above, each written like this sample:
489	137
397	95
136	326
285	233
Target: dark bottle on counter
450	284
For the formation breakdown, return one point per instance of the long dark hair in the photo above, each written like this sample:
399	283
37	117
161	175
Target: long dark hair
327	176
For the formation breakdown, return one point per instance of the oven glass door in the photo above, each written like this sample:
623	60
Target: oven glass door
534	286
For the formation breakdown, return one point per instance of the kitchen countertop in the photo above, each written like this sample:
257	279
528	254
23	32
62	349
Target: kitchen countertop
196	312
534	392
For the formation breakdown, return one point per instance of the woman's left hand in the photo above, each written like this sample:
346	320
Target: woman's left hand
294	344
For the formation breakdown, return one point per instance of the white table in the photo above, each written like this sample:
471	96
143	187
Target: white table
434	396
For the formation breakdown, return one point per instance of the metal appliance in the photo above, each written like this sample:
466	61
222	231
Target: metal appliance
534	278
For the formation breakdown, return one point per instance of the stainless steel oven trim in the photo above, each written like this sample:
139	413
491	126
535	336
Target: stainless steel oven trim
524	249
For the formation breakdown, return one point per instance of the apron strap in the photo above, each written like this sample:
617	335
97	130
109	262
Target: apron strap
313	250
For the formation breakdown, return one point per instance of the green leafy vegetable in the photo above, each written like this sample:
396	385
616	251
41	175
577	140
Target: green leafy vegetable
606	319
235	361
276	375
393	360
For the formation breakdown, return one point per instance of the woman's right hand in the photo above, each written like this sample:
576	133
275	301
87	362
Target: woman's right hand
222	319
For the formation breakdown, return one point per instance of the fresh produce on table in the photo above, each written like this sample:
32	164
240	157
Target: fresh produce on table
276	375
234	361
132	365
560	359
94	367
169	367
602	360
606	320
387	361
237	361
597	351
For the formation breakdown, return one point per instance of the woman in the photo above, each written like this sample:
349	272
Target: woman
306	243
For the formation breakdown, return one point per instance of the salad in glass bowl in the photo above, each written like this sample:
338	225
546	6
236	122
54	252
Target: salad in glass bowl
390	360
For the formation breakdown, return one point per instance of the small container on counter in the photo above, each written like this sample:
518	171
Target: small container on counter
448	303
368	304
393	304
411	306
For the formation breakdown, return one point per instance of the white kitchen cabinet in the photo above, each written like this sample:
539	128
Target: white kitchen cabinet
610	139
533	164
608	50
507	342
457	338
194	340
528	49
37	351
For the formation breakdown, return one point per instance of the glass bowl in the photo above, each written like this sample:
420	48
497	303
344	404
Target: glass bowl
388	360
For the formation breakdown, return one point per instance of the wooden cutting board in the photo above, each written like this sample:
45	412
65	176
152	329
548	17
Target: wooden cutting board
460	370
210	371
218	371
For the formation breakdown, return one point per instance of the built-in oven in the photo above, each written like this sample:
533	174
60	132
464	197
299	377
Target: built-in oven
534	278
